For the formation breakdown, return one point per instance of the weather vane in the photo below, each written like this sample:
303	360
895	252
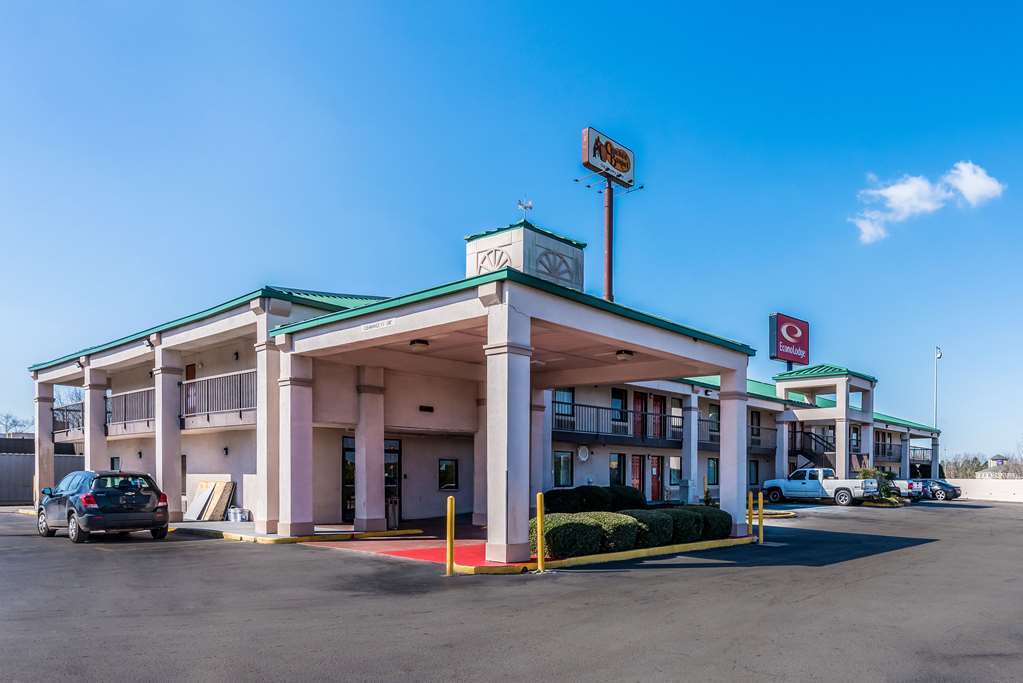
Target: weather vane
524	206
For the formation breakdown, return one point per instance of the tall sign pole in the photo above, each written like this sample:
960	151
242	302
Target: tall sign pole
616	164
609	239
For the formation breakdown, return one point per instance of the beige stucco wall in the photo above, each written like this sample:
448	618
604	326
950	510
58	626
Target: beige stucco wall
219	360
128	451
205	455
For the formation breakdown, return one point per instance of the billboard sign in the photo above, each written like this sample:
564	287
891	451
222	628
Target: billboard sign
603	155
790	339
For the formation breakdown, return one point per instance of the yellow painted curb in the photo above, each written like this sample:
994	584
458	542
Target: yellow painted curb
27	512
779	514
873	504
608	557
277	540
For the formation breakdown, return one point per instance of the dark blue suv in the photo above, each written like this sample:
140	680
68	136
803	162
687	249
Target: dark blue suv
111	502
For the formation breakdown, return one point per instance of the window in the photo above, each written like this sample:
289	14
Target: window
65	483
754	471
616	469
184	474
115	463
712	471
754	427
564	408
814	475
447	474
619	413
798	475
854	439
136	482
828	474
674	470
675	421
714	419
563	461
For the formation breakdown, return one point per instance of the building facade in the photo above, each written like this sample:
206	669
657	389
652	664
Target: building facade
322	407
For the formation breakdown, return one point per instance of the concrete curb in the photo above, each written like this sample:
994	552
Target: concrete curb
277	540
876	504
607	557
28	512
779	514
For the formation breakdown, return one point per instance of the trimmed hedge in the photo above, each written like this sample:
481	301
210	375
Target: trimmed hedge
567	535
593	498
688	525
619	531
561	500
655	527
626	498
716	523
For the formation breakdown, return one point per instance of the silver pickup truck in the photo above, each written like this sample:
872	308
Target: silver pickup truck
817	483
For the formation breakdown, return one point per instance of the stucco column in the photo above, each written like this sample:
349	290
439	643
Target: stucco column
935	459
691	446
370	512
867	443
43	439
295	502
479	459
94	418
167	373
842	448
781	451
904	469
732	468
537	415
268	365
508	423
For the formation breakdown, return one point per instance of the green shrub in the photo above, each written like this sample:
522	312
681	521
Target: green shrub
716	523
655	527
688	525
561	500
567	535
619	531
626	498
594	498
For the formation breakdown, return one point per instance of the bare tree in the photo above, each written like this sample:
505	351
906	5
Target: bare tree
65	396
12	423
963	465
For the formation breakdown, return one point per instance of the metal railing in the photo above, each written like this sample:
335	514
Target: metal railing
709	431
587	419
761	437
131	406
888	452
234	391
919	454
68	417
812	443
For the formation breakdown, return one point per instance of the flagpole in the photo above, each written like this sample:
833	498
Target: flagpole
937	355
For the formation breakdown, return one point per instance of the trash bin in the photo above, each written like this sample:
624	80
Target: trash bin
393	506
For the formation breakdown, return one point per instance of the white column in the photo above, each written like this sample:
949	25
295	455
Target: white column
167	390
370	512
691	446
295	502
479	459
269	313
935	460
781	451
508	399
94	418
43	439
867	443
537	418
842	448
732	468
904	469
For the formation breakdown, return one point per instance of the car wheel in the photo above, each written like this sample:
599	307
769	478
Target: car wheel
159	533
939	495
44	528
843	498
76	533
775	496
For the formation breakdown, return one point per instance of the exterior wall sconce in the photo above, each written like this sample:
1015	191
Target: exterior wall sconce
225	450
140	454
419	344
236	356
80	364
624	354
149	343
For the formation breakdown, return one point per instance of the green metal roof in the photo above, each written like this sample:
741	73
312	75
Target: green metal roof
529	226
815	371
765	390
323	300
522	278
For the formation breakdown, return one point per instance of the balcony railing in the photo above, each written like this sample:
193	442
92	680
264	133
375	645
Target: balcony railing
888	452
68	417
586	419
232	392
919	454
761	437
808	442
131	406
708	430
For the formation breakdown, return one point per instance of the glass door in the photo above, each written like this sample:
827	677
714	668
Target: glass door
392	475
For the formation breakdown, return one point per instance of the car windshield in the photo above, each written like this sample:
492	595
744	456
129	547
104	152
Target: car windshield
124	482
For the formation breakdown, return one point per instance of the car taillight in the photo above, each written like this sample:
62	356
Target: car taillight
162	502
88	500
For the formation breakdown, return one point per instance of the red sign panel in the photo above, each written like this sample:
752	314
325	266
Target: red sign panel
790	339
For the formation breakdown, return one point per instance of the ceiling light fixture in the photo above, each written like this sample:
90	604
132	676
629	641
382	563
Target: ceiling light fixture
419	344
624	354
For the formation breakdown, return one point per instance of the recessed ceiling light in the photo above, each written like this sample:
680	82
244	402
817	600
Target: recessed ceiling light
624	354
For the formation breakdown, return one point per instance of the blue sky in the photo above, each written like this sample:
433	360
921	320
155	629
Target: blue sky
160	158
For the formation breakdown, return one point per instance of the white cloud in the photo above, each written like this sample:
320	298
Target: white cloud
916	196
973	183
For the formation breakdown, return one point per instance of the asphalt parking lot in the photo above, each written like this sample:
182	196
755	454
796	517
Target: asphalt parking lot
929	592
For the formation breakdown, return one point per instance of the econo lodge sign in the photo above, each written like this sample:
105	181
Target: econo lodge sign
790	339
603	155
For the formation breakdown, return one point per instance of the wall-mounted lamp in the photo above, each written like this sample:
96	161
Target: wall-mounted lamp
148	343
225	450
140	454
624	354
79	363
419	344
236	356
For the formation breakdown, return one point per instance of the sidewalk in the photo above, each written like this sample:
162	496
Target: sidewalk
246	531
